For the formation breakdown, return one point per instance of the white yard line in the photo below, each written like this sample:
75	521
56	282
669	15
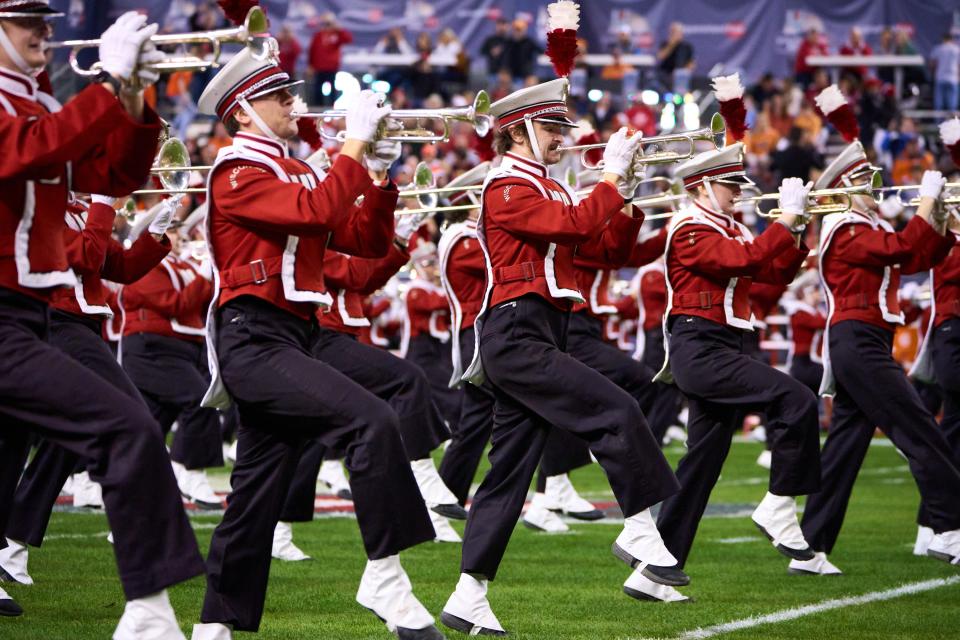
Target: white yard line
820	607
103	534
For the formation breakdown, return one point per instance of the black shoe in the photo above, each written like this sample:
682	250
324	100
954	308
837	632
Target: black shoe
207	506
345	494
463	626
793	554
596	514
6	577
453	511
10	608
636	594
669	576
427	633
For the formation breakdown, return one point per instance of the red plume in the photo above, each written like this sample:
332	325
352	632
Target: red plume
236	10
43	83
735	118
593	156
307	131
955	153
833	104
562	49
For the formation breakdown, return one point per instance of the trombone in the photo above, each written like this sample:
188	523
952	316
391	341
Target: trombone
253	33
714	134
476	114
846	195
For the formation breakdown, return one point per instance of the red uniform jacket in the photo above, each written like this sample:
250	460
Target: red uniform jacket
806	327
465	272
427	312
89	145
653	296
93	255
272	217
593	277
372	311
171	301
712	260
946	287
531	230
351	280
862	264
764	298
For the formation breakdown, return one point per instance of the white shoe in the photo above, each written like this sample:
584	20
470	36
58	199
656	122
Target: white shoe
776	517
819	565
924	536
641	547
334	476
675	433
150	618
946	546
86	492
640	587
468	610
560	491
432	488
211	631
385	590
225	450
540	518
765	459
758	433
67	489
9	606
441	526
283	547
13	563
195	486
110	537
230	453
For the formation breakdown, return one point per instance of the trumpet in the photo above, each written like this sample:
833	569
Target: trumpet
846	195
172	166
422	188
253	33
476	114
897	192
714	134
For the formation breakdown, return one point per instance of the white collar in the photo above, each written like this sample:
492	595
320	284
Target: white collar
19	84
260	144
529	165
717	216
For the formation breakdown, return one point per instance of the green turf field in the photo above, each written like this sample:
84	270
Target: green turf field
557	586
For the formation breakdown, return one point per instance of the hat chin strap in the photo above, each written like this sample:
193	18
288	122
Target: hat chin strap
15	55
532	135
257	120
857	200
712	196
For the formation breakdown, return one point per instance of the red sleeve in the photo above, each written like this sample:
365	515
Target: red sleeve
783	268
615	242
86	249
468	256
654	286
253	197
520	209
155	292
125	266
916	248
764	297
377	309
704	250
362	275
627	308
426	301
368	230
346	37
648	249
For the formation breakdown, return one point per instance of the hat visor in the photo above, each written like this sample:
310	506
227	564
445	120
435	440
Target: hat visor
561	120
45	12
273	87
738	180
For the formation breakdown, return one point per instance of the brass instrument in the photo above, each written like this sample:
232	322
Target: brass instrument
252	33
846	195
172	166
422	188
953	199
714	134
476	114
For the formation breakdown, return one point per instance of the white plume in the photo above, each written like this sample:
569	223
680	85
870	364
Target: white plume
950	131
830	99
727	87
563	15
299	106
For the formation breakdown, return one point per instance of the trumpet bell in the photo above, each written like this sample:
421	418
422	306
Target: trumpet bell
173	165
423	179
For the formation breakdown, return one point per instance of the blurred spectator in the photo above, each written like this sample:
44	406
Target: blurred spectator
624	41
812	45
423	79
289	51
856	46
494	48
909	166
522	52
763	89
325	57
903	46
394	42
641	117
617	69
877	108
449	48
777	117
798	160
761	140
676	60
945	60
808	120
503	86
886	47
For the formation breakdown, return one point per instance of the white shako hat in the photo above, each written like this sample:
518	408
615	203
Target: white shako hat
546	102
471	177
247	76
28	9
718	165
851	163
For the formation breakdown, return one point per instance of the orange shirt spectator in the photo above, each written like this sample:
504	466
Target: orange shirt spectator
762	139
909	166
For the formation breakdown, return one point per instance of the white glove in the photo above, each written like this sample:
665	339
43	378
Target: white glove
164	216
407	225
148	55
120	44
794	195
205	269
619	153
96	198
319	160
638	172
363	118
932	184
385	152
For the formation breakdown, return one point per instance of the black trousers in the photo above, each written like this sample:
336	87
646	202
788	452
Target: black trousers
172	376
70	401
433	357
873	391
286	397
807	371
668	399
400	383
722	383
946	365
539	387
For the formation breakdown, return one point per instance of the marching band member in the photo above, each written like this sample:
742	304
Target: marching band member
75	328
711	261
807	324
861	259
529	228
99	142
271	218
163	352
